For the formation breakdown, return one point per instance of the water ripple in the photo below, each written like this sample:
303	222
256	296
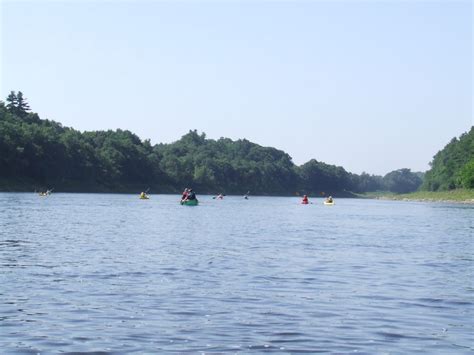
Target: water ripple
111	275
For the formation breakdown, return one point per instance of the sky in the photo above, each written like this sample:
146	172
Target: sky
369	85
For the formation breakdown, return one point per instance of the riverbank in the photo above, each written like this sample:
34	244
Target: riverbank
456	196
29	185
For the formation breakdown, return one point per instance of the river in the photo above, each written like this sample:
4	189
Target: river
111	273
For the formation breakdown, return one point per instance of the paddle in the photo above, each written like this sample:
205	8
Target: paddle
48	192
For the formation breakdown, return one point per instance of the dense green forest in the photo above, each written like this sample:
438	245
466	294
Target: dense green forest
453	166
39	154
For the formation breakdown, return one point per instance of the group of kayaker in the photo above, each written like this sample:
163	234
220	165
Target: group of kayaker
327	201
221	196
188	195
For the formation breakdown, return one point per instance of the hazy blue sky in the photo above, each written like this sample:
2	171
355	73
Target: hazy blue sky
373	86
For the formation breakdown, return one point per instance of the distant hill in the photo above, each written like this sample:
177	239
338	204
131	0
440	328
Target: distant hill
37	154
453	166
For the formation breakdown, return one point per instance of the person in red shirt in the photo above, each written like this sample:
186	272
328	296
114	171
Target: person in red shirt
305	200
185	194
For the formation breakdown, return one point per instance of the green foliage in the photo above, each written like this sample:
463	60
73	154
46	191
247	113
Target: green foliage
366	183
48	154
17	104
22	106
402	181
451	167
226	165
466	175
12	101
318	178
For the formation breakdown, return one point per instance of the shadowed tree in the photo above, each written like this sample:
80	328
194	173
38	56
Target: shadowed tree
12	102
16	104
46	153
402	181
21	104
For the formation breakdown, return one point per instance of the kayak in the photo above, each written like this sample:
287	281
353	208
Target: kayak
190	202
328	203
304	202
144	198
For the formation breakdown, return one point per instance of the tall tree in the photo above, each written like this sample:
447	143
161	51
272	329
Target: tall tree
21	105
12	102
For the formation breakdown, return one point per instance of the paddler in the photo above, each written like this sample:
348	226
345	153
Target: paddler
185	194
191	195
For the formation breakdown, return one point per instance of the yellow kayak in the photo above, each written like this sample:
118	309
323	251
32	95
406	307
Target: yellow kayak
328	203
146	197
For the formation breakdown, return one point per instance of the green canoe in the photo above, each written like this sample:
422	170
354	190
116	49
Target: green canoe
190	203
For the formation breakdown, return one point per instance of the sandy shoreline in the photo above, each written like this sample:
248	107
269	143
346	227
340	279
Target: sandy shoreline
466	202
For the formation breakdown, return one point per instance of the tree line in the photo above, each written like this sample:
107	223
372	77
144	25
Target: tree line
38	153
453	166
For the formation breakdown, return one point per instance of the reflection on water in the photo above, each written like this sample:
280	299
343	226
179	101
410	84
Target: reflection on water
111	273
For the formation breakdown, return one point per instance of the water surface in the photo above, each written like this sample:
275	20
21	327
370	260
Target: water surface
112	273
